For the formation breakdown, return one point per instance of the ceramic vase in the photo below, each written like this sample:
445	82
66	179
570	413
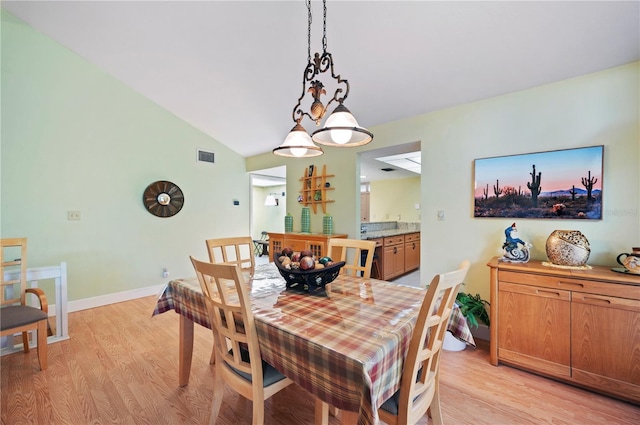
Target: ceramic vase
288	223
568	248
327	225
305	221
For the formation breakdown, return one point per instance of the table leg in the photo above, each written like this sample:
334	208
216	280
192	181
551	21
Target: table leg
186	349
321	413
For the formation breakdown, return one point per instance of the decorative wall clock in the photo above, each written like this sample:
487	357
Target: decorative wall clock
163	199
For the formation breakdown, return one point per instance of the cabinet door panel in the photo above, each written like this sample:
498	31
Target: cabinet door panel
411	255
535	322
389	266
605	335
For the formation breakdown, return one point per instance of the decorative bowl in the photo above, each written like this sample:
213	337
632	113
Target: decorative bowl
568	248
311	281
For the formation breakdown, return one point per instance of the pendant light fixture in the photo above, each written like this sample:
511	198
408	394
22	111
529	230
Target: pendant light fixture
341	128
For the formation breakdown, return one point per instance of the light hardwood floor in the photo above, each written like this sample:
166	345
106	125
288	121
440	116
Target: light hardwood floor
121	367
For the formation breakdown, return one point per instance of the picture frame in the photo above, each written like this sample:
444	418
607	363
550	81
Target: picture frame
560	184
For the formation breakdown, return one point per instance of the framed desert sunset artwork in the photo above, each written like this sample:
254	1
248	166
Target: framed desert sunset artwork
562	184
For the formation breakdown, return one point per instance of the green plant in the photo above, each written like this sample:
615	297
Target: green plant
473	308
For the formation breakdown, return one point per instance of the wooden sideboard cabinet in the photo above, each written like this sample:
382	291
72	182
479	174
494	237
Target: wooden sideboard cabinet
315	242
579	326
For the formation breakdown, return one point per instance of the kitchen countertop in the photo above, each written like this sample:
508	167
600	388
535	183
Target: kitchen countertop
386	233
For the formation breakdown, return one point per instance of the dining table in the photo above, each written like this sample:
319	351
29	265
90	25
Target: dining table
345	346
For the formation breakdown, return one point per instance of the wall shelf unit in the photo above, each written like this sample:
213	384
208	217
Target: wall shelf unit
314	188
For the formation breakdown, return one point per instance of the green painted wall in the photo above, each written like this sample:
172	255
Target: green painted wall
596	109
75	138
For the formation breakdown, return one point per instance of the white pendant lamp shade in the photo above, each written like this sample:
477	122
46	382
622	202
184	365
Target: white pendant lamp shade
298	144
342	130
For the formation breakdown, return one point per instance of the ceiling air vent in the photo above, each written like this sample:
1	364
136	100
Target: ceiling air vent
388	169
204	156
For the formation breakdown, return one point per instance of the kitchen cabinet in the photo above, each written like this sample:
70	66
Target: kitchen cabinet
393	257
578	326
411	252
317	243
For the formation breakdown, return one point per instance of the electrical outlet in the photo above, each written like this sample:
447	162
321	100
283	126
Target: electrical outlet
441	215
73	215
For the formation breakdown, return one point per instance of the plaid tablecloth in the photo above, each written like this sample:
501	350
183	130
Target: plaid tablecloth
346	348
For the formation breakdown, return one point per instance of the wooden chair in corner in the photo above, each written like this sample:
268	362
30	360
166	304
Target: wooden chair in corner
238	360
350	250
419	390
15	315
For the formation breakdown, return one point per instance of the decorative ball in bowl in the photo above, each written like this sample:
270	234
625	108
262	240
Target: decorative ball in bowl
568	248
312	281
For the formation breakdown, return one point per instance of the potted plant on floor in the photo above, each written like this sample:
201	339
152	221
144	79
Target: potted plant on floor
473	308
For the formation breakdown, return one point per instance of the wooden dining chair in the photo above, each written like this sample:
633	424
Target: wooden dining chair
238	360
235	250
420	375
350	251
15	315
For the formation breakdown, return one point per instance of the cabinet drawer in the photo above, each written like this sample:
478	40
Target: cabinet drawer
393	240
412	237
605	301
572	284
544	292
377	241
528	279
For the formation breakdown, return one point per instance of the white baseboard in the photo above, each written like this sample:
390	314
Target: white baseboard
117	297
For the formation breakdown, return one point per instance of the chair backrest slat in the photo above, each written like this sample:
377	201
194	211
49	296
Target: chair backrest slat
12	291
230	313
350	250
423	356
234	250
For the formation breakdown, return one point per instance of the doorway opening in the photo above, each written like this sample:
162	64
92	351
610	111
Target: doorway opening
268	201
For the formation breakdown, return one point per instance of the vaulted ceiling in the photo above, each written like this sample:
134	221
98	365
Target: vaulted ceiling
234	68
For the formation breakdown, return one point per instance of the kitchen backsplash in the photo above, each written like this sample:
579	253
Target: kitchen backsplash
387	225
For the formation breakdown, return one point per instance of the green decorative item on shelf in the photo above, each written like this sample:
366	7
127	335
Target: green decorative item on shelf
327	224
288	223
305	221
473	308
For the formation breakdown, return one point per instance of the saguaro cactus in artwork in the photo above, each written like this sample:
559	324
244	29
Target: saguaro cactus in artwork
534	186
588	183
573	193
496	189
485	192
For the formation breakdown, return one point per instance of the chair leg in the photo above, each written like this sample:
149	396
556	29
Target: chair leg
258	412
212	359
434	408
218	392
42	344
25	341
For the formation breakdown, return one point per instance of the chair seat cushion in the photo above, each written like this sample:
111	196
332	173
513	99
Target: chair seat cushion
392	403
269	374
14	316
